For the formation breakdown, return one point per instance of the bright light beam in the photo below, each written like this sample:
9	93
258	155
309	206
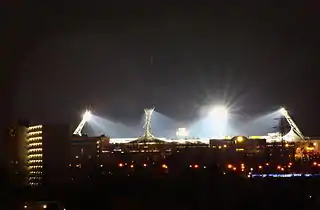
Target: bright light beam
219	116
283	111
85	117
219	113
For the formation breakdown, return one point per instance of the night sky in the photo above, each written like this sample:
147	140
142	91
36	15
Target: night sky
120	58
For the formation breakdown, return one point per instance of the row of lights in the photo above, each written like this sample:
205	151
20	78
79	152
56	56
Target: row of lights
35	167
34	127
144	165
30	156
35	144
220	147
34	150
260	167
165	166
34	161
316	164
34	133
44	206
38	138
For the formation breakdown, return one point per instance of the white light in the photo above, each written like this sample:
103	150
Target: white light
283	111
182	133
87	115
219	113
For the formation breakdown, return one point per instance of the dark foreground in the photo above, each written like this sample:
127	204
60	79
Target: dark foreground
190	191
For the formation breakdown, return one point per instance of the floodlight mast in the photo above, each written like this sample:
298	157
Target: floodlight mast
294	127
86	116
147	125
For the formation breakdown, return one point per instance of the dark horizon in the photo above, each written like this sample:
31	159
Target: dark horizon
118	60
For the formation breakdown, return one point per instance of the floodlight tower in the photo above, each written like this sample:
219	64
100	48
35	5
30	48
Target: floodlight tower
85	117
147	125
294	128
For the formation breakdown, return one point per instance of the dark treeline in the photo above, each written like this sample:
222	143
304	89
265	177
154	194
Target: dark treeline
192	190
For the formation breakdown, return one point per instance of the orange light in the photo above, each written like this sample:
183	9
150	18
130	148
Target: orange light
260	167
131	166
282	169
290	164
279	167
145	165
318	165
240	139
229	166
120	165
164	166
314	163
234	168
196	166
267	164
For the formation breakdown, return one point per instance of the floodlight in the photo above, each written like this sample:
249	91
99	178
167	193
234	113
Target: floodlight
85	118
87	115
182	133
219	112
283	111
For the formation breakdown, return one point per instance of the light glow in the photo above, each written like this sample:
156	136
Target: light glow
87	115
85	118
240	139
283	111
219	113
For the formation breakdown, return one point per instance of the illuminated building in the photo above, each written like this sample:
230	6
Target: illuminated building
47	148
35	155
249	146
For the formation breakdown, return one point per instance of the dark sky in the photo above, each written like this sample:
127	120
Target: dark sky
120	58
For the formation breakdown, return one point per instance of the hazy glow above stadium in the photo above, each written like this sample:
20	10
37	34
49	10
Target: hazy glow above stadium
87	116
219	113
213	122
